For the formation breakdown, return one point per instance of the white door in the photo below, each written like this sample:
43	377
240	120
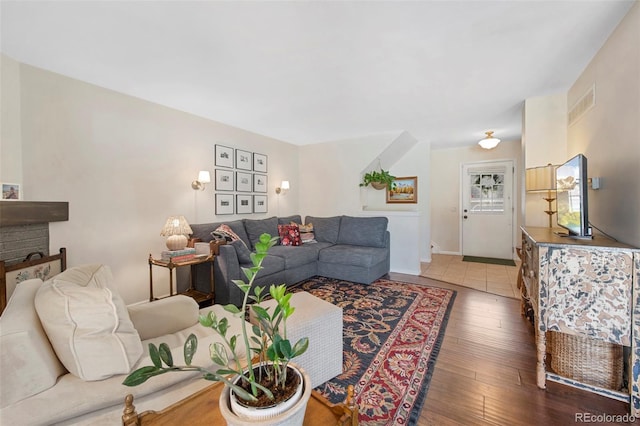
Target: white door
487	209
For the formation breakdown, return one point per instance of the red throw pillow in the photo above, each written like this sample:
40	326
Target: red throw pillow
289	235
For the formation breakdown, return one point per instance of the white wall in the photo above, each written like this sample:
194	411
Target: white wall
124	165
330	174
445	189
544	136
10	134
609	134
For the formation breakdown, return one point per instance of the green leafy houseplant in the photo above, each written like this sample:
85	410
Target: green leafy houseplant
381	177
271	345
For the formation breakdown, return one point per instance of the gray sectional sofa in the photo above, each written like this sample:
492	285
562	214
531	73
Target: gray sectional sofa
348	248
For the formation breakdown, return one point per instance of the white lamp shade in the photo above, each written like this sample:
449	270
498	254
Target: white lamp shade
284	184
204	176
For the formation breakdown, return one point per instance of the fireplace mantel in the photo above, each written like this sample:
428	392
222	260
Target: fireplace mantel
16	213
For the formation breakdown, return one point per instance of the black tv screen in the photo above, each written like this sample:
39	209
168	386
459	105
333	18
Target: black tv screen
571	185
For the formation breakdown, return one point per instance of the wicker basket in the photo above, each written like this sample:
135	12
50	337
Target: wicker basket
379	185
586	360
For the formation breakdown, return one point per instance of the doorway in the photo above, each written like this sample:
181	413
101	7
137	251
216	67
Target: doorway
487	209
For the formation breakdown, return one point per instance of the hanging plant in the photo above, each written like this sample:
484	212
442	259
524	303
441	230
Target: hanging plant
378	179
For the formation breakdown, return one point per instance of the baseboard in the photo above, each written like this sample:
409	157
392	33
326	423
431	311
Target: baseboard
415	272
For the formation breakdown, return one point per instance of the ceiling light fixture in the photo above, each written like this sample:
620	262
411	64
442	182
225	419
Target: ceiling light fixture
489	142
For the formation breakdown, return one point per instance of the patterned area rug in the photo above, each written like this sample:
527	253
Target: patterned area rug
392	335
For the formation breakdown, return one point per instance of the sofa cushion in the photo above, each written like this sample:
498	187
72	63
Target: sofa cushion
363	231
297	256
255	228
27	361
289	235
288	219
326	228
270	265
88	323
353	255
244	254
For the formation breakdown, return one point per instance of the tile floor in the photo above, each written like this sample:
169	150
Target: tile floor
496	279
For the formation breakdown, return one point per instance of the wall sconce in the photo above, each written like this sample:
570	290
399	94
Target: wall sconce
283	188
542	179
177	229
203	178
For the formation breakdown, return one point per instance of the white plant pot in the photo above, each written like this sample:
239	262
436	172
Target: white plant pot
289	413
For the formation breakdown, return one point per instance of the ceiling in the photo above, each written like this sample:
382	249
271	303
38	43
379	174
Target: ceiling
316	71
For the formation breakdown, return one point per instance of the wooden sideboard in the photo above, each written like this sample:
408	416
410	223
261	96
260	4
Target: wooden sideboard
587	288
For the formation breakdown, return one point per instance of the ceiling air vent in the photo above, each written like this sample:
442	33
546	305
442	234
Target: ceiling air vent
584	104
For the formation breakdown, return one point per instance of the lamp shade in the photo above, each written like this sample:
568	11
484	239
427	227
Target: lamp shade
204	176
541	179
177	229
489	142
284	184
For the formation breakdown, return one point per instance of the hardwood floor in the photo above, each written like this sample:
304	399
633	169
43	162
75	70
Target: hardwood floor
485	371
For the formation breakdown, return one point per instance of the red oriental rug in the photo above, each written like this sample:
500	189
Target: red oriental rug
392	334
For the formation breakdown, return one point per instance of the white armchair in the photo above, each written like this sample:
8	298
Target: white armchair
37	388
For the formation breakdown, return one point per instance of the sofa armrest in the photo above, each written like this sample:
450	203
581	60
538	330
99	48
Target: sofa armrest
227	270
164	316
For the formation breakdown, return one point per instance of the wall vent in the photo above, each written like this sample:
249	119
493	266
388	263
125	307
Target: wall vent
584	104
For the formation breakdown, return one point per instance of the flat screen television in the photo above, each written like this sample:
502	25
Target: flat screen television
572	188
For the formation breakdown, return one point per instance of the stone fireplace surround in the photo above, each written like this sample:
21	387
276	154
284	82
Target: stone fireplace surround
24	227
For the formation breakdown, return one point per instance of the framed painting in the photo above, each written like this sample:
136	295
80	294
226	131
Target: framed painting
224	180
259	203
243	182
403	190
224	203
259	163
259	183
223	156
243	160
11	191
243	204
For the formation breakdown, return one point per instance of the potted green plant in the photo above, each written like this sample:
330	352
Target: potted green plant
378	179
271	379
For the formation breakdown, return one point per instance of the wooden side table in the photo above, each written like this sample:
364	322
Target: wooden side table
199	296
201	408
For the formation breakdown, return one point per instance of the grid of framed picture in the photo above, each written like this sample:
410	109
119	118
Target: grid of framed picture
240	181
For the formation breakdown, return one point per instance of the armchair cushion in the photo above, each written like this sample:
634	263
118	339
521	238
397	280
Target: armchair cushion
27	360
88	323
165	316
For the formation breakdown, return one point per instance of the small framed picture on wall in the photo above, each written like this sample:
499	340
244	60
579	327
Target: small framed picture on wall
243	204
224	203
11	191
224	180
243	182
259	183
223	156
259	203
243	160
259	163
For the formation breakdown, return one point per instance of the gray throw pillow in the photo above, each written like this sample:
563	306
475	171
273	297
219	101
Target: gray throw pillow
255	228
244	255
